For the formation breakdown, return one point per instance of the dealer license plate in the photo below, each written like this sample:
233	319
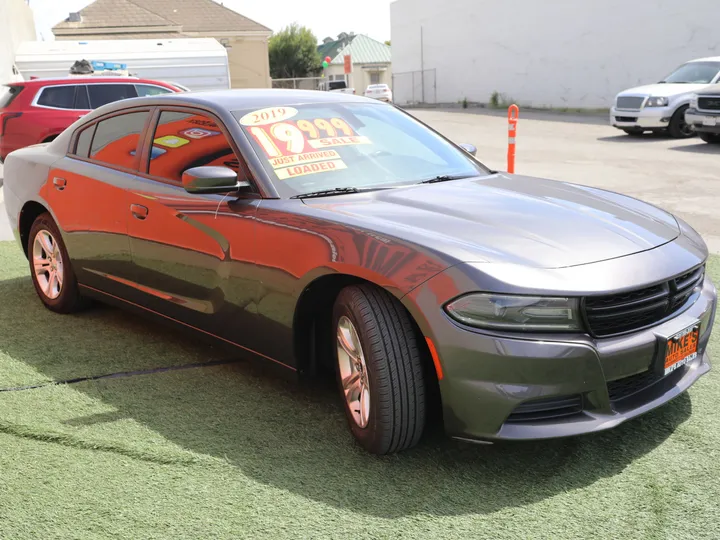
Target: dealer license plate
709	121
682	348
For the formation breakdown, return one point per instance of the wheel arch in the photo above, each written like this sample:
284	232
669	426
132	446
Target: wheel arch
28	214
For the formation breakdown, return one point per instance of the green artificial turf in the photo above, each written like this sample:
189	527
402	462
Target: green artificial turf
230	451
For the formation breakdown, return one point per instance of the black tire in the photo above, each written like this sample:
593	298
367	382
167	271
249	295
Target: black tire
634	132
69	299
678	128
393	356
710	138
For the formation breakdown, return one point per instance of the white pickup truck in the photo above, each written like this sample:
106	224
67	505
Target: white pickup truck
336	86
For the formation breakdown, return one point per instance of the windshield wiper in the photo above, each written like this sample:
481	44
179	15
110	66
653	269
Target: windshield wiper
446	178
327	192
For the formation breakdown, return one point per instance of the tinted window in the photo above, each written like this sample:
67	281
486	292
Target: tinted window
116	139
149	90
60	97
82	148
81	98
102	94
8	94
185	140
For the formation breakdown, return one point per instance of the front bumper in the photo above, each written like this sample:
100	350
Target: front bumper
699	120
488	378
650	118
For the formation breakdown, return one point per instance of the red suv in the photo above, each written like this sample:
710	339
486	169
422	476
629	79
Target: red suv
38	110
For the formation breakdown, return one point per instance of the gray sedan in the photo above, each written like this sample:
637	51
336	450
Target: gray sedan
324	232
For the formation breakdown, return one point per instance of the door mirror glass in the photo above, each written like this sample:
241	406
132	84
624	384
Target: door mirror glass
212	179
469	148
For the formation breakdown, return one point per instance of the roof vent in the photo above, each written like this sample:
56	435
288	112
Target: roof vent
74	17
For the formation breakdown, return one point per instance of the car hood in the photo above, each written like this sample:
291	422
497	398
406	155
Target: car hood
713	90
663	90
509	219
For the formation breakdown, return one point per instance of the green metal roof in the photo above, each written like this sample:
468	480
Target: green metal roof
364	50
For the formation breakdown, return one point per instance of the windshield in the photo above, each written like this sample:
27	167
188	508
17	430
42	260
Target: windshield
694	73
324	146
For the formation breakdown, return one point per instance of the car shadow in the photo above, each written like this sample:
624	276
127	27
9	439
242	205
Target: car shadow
293	436
641	139
702	148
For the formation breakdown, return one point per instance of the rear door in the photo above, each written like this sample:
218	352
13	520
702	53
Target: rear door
194	254
87	192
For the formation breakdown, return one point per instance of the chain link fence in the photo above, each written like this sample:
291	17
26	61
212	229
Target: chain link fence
415	87
302	83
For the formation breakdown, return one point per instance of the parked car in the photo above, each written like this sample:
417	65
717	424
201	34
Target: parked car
336	86
38	110
315	230
704	114
379	91
662	106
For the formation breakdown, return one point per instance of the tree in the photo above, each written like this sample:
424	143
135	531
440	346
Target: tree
293	53
387	43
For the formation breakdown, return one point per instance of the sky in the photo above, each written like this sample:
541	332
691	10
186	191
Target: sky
324	18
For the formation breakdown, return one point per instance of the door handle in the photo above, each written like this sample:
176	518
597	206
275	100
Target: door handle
139	211
59	183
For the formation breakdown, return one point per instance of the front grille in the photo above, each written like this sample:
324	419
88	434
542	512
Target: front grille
546	409
629	386
626	118
630	102
624	312
710	103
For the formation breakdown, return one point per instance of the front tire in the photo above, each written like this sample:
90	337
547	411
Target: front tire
710	138
50	267
678	128
379	369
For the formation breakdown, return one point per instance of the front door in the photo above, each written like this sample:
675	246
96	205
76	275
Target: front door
194	254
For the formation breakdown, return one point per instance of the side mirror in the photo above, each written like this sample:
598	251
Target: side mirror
212	180
469	148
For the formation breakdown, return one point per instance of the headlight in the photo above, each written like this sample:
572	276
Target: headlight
528	313
657	102
694	101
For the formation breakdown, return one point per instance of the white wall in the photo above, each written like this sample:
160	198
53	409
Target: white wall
16	25
551	53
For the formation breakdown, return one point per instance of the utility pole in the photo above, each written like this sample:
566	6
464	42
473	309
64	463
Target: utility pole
422	64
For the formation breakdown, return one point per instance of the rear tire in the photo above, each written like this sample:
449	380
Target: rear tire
380	369
50	268
678	128
710	138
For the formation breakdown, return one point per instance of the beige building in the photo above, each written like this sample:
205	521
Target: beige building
246	41
16	25
371	61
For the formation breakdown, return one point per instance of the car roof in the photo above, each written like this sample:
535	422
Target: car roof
81	80
708	59
234	100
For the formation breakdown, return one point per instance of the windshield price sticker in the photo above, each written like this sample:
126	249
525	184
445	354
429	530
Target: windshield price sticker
310	157
268	116
310	168
338	141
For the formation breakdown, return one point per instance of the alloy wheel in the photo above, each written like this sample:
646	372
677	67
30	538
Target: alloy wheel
48	264
353	372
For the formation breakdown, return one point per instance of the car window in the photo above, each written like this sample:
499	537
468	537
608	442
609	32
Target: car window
315	147
59	97
185	140
82	101
82	148
694	73
150	90
116	139
102	94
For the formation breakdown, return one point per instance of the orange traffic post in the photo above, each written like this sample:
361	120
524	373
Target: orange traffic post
513	114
